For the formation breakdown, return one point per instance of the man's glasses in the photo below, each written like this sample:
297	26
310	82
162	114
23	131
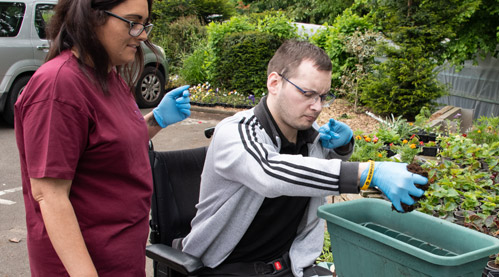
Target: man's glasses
135	28
326	99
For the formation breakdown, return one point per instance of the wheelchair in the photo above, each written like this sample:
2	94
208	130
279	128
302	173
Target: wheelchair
176	178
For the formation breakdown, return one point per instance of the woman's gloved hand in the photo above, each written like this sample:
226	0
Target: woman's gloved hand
174	107
396	182
335	134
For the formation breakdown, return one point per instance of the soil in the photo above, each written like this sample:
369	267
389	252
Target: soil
344	111
416	169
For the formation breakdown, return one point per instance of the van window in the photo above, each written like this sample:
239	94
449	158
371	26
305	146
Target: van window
11	18
43	13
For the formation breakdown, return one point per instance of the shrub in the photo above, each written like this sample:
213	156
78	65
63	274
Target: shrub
179	39
334	44
245	58
230	60
403	84
193	68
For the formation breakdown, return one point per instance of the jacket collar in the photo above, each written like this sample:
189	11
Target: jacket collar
268	123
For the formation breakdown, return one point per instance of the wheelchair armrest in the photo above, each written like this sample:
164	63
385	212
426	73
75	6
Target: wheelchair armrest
174	258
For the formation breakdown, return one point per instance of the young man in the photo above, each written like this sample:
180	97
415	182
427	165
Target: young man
268	169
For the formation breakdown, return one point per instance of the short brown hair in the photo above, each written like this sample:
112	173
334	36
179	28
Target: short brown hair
292	52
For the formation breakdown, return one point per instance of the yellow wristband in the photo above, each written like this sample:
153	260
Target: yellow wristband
369	175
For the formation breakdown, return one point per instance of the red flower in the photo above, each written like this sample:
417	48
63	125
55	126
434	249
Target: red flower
421	143
413	135
465	135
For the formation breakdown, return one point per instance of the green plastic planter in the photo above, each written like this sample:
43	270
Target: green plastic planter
369	239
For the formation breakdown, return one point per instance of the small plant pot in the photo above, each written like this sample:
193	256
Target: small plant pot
426	137
491	270
430	151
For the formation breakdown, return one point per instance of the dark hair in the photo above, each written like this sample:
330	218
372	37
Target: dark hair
73	25
292	52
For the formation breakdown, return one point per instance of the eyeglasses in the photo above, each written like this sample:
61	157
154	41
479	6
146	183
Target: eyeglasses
135	28
326	99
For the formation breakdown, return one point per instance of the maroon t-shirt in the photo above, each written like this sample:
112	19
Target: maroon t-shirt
66	128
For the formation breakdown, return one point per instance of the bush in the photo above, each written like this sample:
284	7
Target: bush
193	68
230	59
166	11
245	58
179	38
403	84
333	42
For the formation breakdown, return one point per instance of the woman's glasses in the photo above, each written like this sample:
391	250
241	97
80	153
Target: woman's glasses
135	28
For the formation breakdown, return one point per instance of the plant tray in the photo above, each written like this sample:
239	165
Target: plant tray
369	239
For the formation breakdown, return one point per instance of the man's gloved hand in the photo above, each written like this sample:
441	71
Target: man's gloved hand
396	182
335	134
174	107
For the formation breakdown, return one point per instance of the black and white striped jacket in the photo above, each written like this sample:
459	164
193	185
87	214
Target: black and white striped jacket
243	166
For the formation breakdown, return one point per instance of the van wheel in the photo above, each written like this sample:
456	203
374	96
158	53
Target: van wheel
150	88
15	91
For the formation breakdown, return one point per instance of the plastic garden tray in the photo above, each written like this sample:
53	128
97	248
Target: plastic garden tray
369	239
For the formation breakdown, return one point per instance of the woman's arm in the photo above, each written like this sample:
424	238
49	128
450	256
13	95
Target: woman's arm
152	126
62	226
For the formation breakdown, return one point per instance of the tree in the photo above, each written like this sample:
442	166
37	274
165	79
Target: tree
478	35
306	11
449	30
167	11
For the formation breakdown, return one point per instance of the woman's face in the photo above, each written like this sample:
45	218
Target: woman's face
114	34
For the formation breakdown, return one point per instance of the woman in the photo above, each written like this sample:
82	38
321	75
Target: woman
83	143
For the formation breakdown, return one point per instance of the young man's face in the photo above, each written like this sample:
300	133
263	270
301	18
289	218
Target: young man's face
292	109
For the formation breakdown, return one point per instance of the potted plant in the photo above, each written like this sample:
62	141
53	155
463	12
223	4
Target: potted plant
429	149
492	268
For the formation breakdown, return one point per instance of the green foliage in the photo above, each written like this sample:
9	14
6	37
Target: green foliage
403	84
448	30
179	38
245	58
277	24
237	51
218	31
306	11
334	43
477	34
167	11
193	69
326	255
362	48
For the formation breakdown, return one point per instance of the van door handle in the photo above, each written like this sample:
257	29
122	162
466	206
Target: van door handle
43	47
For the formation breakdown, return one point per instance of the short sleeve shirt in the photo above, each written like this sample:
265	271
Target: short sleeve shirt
67	128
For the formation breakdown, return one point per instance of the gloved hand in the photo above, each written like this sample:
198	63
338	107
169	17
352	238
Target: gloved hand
396	182
335	134
174	107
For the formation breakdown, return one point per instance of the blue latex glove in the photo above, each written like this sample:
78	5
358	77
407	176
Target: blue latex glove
174	107
396	182
335	134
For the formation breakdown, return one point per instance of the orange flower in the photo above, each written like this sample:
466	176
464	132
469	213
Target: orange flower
380	155
412	146
368	139
358	137
404	141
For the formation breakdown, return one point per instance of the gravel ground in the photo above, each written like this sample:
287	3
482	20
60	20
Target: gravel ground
343	111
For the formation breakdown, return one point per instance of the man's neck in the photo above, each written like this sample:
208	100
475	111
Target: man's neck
289	133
